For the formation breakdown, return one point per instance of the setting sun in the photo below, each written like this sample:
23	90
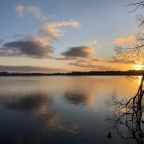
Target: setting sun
138	67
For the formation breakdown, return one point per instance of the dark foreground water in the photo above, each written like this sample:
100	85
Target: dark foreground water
60	110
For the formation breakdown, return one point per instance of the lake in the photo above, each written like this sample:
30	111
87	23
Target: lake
61	110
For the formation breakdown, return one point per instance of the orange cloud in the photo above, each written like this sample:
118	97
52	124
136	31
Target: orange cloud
53	30
122	40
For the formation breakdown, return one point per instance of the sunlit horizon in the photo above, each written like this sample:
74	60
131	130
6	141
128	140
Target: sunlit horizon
51	36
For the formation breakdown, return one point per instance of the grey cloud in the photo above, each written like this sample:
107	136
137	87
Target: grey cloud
18	35
91	66
122	60
80	52
29	69
1	41
29	48
63	58
21	10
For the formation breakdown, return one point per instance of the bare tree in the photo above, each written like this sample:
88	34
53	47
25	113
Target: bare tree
129	113
137	50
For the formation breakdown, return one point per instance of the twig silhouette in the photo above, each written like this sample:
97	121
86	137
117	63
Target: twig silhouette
129	113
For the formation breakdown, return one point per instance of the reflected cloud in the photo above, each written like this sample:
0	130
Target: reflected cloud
33	103
76	98
80	98
50	121
40	106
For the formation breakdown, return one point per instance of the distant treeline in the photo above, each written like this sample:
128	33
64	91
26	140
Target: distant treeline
90	73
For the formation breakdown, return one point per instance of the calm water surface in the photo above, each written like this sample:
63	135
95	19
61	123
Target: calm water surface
60	110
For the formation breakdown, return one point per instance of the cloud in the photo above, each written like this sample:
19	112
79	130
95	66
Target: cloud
36	12
122	40
92	43
79	52
38	104
53	30
29	69
111	63
32	47
1	41
37	46
121	59
20	9
92	66
33	10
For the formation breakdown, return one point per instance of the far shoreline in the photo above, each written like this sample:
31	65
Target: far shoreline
77	73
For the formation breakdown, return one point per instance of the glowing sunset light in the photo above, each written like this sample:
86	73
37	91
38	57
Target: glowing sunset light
138	67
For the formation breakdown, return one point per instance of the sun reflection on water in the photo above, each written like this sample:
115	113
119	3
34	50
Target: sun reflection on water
137	80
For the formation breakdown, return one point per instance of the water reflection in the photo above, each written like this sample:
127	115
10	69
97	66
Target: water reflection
34	103
39	105
77	98
128	115
49	121
41	110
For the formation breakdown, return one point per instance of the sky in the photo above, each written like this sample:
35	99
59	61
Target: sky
65	35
